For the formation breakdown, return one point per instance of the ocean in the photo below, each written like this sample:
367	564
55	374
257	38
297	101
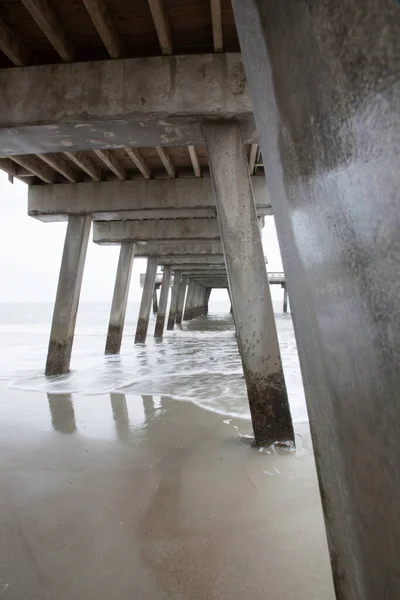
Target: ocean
197	362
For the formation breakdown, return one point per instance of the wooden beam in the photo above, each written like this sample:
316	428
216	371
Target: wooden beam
12	46
217	25
84	163
195	160
112	163
162	26
35	166
49	22
252	158
103	22
137	158
59	164
8	166
166	160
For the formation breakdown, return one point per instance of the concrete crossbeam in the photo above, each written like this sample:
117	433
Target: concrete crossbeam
168	229
176	249
119	200
186	261
120	103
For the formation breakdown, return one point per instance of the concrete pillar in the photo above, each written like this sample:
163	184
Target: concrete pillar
155	301
162	309
325	90
206	300
284	298
181	300
248	283
189	301
196	296
120	298
67	298
174	300
147	297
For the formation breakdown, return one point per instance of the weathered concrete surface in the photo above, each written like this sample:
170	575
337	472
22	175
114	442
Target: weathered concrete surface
120	103
147	298
325	89
106	232
174	299
181	300
155	301
284	298
162	307
120	299
192	260
67	298
137	199
248	282
206	299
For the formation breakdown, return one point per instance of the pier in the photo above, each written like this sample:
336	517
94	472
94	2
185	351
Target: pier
171	130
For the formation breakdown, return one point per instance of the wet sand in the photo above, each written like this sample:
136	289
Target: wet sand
149	498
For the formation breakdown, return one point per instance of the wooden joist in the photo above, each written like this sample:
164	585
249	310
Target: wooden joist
112	163
49	22
86	164
162	26
217	25
36	167
166	160
137	158
59	164
12	46
195	160
103	22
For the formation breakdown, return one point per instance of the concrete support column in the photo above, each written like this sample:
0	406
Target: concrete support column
334	188
206	300
147	297
155	301
284	298
196	300
189	301
67	298
174	300
162	309
248	283
120	298
181	300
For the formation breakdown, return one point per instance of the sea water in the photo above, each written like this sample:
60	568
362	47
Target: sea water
197	362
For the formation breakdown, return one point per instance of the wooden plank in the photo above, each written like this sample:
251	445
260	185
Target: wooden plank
59	164
103	22
252	158
162	26
217	25
12	46
35	166
84	163
137	158
49	22
195	160
166	160
112	163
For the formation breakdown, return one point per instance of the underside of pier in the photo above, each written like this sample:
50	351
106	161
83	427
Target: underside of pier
152	122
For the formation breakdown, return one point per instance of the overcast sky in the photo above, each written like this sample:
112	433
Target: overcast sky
31	253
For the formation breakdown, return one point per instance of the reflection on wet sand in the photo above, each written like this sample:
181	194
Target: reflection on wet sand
152	499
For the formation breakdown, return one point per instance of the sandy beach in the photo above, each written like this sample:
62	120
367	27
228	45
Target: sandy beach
126	496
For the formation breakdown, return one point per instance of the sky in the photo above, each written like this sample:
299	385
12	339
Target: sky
31	253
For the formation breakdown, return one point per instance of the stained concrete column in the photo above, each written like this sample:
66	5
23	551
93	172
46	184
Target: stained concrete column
207	299
284	299
181	300
67	298
248	283
324	82
174	299
189	301
166	281
147	297
155	301
120	298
